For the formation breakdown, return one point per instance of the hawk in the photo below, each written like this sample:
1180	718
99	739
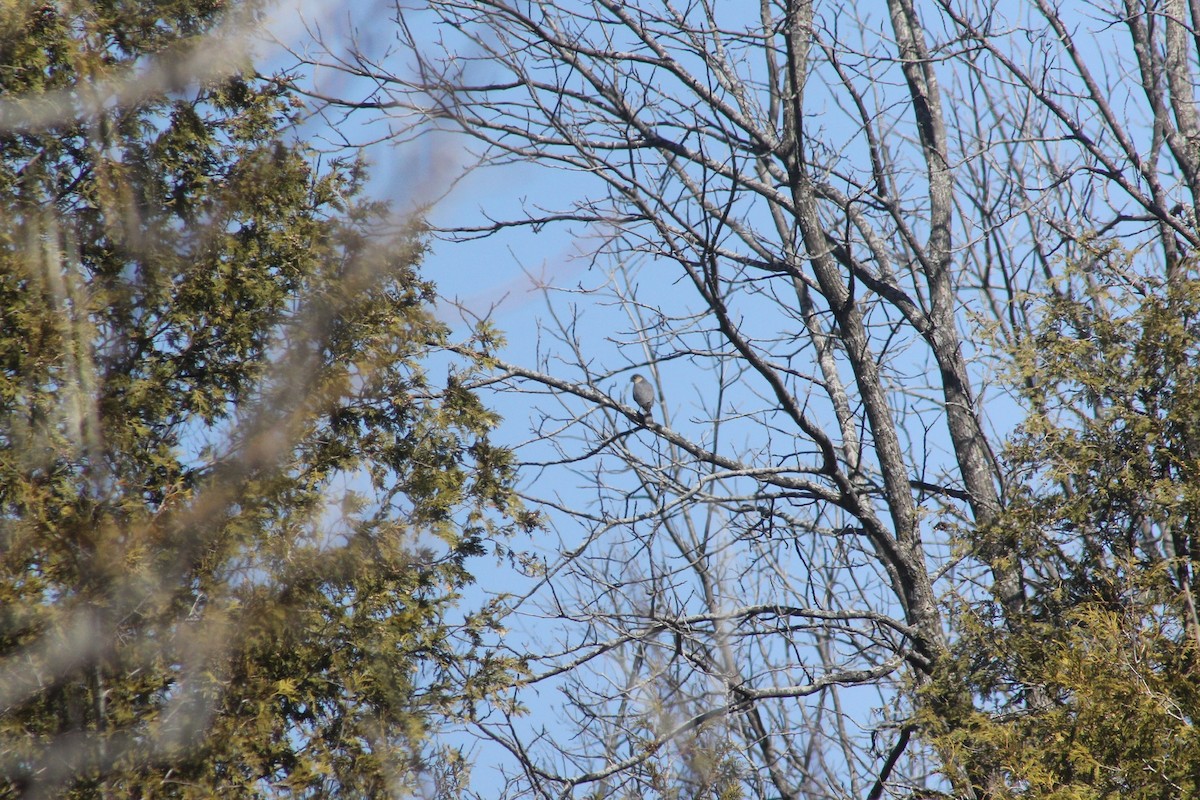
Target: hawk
643	395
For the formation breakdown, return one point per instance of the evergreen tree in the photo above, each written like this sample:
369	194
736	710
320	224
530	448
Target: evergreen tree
1095	691
235	510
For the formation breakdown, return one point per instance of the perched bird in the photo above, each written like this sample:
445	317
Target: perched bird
643	395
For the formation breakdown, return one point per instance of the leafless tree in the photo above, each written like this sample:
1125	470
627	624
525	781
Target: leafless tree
820	227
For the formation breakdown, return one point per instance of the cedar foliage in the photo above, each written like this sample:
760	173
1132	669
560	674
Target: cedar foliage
235	509
1095	691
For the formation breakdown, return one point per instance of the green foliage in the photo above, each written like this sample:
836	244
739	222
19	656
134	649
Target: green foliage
1094	691
235	509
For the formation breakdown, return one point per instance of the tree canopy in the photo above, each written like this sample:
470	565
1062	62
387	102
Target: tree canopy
910	513
238	485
